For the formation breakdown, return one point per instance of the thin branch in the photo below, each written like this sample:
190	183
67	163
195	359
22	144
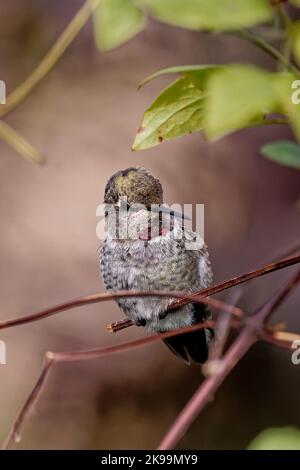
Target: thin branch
288	43
183	298
121	324
282	339
50	59
73	356
20	144
207	390
250	333
106	296
268	48
14	435
268	122
286	336
52	358
247	337
243	278
221	333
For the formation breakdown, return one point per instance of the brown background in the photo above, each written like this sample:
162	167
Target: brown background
83	116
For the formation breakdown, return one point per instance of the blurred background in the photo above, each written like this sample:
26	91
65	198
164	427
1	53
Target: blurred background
84	116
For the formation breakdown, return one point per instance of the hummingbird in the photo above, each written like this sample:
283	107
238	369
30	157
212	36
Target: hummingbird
146	248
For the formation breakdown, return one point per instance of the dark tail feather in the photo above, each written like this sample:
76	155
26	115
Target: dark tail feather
192	346
189	346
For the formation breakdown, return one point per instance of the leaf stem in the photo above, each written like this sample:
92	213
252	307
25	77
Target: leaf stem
20	144
286	22
265	46
50	59
269	122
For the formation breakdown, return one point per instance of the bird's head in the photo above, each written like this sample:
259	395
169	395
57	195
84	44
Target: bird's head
138	195
136	186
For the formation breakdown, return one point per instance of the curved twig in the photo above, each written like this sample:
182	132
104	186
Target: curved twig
247	337
50	59
106	296
235	281
52	358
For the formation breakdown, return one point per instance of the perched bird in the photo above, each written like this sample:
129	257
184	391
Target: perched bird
148	249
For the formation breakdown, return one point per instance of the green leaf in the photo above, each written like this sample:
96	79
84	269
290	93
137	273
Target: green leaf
237	96
117	21
177	111
16	141
208	14
284	152
287	438
201	71
296	2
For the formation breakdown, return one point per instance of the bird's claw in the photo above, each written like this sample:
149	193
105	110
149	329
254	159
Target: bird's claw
140	322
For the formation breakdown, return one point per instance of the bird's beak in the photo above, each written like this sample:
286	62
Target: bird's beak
167	210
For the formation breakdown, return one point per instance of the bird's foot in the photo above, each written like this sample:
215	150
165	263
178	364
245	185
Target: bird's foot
140	322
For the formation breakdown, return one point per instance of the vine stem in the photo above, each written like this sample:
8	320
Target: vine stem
52	358
250	334
252	329
268	48
106	296
269	122
235	281
20	144
286	21
50	59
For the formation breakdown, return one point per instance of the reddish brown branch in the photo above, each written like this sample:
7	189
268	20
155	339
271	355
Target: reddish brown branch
283	263
240	279
247	337
221	333
87	354
14	435
282	339
52	358
182	298
207	390
253	329
104	297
